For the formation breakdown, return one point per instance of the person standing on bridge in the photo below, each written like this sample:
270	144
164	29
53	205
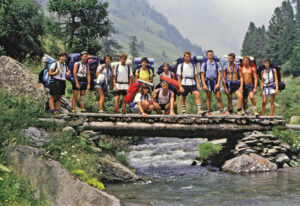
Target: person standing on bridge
188	82
104	76
82	78
269	86
250	85
122	80
211	72
233	83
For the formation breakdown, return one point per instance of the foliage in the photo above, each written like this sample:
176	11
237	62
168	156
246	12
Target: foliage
21	28
15	191
83	22
289	137
122	158
95	183
280	42
208	150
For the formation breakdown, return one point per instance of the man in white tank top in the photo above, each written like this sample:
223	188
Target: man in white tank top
165	99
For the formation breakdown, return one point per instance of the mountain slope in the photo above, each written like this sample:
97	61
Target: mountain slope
138	18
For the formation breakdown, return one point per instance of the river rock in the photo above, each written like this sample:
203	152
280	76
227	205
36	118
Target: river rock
282	158
69	129
36	136
295	120
53	183
16	78
248	163
113	171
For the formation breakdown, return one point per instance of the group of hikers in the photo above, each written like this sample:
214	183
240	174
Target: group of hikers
239	79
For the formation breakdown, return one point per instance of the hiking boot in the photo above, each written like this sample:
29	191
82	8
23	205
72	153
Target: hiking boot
201	112
255	112
73	110
123	111
223	112
56	113
240	113
82	110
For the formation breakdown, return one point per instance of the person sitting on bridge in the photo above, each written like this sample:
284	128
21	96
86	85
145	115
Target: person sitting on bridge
122	80
211	72
233	83
142	102
269	86
188	82
165	98
250	85
103	75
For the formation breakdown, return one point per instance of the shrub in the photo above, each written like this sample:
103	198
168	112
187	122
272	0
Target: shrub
208	150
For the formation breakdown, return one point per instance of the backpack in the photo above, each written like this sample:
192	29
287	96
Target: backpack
216	60
117	73
71	60
133	89
94	62
44	76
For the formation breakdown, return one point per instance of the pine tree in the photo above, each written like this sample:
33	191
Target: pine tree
288	38
142	46
133	46
111	46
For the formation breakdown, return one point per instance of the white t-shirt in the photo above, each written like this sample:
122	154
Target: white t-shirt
82	69
122	76
188	71
138	97
62	72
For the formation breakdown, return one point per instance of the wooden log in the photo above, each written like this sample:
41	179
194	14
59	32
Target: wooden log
211	131
293	127
53	120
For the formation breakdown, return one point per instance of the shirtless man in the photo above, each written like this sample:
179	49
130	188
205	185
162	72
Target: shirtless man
233	83
250	85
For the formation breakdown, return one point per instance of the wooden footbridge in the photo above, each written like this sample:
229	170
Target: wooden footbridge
183	126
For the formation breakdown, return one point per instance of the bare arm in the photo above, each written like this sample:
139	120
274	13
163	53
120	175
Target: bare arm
172	103
241	79
155	94
89	76
203	80
99	72
75	73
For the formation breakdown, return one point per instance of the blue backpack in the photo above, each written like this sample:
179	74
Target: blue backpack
138	65
44	76
216	60
71	60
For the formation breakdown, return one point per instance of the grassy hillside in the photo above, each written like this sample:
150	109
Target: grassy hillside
136	17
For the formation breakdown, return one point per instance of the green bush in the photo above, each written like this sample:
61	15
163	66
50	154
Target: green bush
208	150
16	191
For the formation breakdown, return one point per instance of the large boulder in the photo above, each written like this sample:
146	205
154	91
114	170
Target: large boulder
18	79
248	163
53	182
113	171
37	136
295	120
